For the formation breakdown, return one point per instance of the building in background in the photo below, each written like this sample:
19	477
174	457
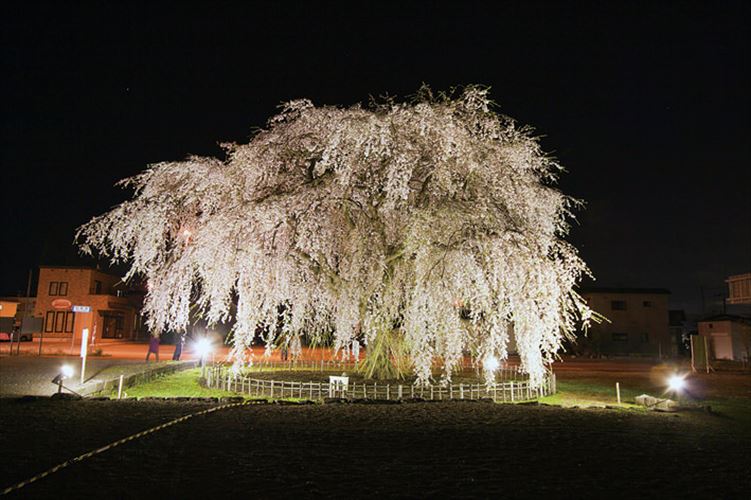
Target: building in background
114	309
25	306
17	315
739	289
728	336
638	323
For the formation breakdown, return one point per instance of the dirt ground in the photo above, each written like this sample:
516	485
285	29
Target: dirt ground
422	450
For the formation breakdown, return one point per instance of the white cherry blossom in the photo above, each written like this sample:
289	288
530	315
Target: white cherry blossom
436	219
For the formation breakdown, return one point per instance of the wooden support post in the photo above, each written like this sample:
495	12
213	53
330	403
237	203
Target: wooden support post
618	392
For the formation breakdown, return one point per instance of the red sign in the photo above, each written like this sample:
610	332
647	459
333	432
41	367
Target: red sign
61	304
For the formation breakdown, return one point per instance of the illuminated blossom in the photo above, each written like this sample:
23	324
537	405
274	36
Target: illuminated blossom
436	219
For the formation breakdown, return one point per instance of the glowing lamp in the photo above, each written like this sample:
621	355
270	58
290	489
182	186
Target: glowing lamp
203	347
66	371
491	364
676	383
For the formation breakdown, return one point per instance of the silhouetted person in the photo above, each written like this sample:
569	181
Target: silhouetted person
153	347
178	348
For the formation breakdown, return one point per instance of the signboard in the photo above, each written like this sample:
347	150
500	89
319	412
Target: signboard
84	340
338	386
61	304
82	309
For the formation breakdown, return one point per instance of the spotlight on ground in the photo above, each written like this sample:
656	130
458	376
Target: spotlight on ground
66	371
677	383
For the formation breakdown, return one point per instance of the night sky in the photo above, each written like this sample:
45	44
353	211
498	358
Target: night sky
646	105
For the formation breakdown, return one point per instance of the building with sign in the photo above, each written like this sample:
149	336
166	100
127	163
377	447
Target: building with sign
64	293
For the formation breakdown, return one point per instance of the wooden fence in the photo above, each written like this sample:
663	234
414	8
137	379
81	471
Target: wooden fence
503	374
509	391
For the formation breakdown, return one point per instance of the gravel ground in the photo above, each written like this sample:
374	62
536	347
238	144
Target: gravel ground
366	450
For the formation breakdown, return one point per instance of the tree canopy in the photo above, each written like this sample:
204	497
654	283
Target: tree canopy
435	220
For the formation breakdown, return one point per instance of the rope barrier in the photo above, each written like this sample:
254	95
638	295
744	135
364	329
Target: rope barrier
102	449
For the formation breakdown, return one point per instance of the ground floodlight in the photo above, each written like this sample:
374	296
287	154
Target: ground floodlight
66	371
676	383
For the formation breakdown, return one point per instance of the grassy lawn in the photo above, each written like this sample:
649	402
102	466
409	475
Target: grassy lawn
727	394
180	384
593	392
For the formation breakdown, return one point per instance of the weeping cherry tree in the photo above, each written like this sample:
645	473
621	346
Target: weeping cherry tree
427	230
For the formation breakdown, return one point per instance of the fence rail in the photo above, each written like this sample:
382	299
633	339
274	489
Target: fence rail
509	391
503	374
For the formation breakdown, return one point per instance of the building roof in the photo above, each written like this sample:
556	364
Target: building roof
81	268
726	317
605	289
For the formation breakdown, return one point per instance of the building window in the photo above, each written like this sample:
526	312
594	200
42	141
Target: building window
49	322
618	305
645	337
647	303
58	288
620	337
70	318
59	321
97	287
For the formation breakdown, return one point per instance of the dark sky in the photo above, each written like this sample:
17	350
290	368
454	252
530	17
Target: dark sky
645	103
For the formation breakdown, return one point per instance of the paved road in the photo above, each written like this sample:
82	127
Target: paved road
135	350
25	375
